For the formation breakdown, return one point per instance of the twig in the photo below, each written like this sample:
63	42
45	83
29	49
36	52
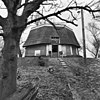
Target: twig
66	20
47	20
59	12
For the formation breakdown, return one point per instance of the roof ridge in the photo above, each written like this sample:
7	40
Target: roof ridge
58	25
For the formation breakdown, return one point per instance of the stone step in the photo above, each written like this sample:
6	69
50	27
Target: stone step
60	59
63	62
64	66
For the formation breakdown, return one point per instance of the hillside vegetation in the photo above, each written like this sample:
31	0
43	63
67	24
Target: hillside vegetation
76	81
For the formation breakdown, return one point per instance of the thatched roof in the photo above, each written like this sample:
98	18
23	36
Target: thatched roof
43	34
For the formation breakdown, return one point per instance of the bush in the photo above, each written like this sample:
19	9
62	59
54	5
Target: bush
41	61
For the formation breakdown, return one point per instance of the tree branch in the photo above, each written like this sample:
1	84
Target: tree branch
5	2
54	14
47	20
72	15
91	51
9	5
2	21
91	5
12	5
17	3
66	20
70	3
30	7
26	3
58	12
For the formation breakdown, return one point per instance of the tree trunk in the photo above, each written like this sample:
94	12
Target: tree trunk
8	68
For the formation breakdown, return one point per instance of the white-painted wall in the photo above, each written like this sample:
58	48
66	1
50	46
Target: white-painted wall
47	53
64	50
59	48
71	50
48	48
77	52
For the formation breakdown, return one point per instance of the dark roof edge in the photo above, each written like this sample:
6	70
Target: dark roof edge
35	44
70	44
50	43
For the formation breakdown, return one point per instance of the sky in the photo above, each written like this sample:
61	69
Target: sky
77	30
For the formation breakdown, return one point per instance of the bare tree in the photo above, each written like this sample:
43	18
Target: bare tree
95	42
97	6
13	26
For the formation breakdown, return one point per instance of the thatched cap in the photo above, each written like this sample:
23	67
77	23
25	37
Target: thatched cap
43	34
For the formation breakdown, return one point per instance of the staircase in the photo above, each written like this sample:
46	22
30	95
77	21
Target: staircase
74	93
63	63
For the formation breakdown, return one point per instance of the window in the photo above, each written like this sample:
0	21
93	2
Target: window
55	40
37	52
74	50
54	37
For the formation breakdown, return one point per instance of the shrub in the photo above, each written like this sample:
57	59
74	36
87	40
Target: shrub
41	61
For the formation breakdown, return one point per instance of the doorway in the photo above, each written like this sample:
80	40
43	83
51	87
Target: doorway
54	50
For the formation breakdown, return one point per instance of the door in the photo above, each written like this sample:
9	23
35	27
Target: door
54	50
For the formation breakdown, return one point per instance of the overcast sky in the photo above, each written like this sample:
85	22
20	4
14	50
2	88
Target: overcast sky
77	30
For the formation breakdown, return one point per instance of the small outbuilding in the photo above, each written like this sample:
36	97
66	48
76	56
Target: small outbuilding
46	40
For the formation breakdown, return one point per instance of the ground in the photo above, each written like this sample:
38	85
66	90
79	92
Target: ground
75	81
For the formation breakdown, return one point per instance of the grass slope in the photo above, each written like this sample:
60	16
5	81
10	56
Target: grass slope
78	81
